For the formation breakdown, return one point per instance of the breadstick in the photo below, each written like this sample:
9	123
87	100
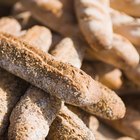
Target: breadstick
126	26
123	54
95	23
37	35
70	51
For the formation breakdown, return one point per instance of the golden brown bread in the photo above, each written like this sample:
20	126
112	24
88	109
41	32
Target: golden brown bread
93	16
69	51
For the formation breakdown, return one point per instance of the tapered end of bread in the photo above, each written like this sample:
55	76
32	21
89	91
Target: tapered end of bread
109	107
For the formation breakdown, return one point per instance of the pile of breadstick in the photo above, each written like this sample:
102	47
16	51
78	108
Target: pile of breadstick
69	70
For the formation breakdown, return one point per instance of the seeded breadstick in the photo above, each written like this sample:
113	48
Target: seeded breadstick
130	124
131	7
122	55
110	107
74	127
32	116
126	26
69	51
10	25
42	70
93	16
106	74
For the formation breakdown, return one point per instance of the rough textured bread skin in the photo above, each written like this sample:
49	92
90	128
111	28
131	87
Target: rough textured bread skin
126	26
32	116
10	25
38	36
74	128
104	73
123	54
59	79
93	16
130	7
68	51
11	89
130	124
110	107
